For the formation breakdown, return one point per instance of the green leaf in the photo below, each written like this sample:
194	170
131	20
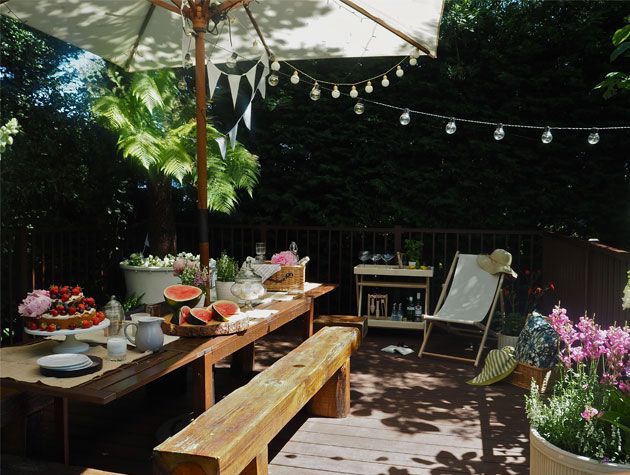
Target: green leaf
620	50
621	35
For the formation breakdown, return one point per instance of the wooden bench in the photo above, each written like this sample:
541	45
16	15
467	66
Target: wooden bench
342	321
232	436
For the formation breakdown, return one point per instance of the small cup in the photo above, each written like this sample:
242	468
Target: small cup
412	265
116	348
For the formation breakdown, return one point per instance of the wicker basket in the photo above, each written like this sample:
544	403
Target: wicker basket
287	278
523	374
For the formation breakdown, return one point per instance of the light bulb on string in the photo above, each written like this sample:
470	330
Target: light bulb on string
415	53
359	108
413	61
231	61
546	136
273	79
295	78
593	137
499	133
275	65
181	84
451	127
399	71
187	61
316	92
385	81
405	118
369	88
354	93
335	92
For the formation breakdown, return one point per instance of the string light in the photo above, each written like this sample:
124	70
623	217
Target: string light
385	81
273	79
499	133
369	88
415	53
231	61
354	93
451	127
295	78
316	92
593	137
359	108
187	61
413	61
275	65
335	92
546	136
405	118
399	71
181	85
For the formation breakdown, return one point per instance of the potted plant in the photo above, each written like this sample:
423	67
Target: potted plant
413	249
227	268
511	325
584	425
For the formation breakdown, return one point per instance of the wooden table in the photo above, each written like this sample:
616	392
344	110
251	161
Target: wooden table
201	353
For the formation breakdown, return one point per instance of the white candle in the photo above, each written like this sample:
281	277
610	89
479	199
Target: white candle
116	348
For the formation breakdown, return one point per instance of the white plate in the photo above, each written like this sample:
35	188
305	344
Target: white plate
62	360
87	364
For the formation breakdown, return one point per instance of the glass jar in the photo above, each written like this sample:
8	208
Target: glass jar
248	285
115	313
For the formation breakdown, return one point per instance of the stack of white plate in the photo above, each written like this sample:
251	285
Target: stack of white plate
65	362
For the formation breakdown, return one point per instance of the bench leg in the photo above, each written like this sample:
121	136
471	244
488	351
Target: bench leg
203	384
259	465
333	399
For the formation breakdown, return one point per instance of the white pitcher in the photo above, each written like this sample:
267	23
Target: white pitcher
148	335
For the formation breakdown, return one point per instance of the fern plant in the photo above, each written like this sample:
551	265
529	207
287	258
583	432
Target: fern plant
155	124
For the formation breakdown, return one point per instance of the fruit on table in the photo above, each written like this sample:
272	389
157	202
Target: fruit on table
179	295
223	309
199	316
181	317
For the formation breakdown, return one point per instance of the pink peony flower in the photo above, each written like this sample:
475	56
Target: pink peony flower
284	258
36	303
178	266
589	412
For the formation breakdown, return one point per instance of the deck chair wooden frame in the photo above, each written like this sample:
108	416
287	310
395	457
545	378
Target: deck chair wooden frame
431	319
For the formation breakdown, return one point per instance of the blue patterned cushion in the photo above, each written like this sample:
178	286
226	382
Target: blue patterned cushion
538	343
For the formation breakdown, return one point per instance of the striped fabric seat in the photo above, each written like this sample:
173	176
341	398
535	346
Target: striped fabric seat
498	365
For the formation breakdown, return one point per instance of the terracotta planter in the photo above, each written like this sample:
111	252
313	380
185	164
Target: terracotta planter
150	281
224	292
547	459
506	340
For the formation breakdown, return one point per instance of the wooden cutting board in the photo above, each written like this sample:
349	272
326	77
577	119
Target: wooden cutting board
238	324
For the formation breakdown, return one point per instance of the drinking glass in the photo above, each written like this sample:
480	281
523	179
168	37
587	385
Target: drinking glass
376	258
261	250
364	256
387	257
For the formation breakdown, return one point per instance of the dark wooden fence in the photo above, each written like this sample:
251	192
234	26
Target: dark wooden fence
586	276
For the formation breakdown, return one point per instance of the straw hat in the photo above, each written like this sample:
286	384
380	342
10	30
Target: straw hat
498	261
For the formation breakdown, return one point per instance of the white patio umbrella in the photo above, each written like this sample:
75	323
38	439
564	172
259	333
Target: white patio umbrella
147	34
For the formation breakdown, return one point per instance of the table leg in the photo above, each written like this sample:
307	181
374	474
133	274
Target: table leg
359	280
307	330
243	360
203	384
427	301
61	425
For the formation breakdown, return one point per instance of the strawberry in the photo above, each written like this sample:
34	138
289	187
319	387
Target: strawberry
90	301
95	320
65	289
60	308
76	290
54	312
62	312
54	289
86	324
51	327
31	326
72	310
100	315
43	326
72	326
81	307
65	297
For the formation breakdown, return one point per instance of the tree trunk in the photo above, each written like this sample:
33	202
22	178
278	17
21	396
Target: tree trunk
162	232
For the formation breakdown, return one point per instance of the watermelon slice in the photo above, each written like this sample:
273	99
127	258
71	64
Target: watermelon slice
179	295
199	316
224	309
179	318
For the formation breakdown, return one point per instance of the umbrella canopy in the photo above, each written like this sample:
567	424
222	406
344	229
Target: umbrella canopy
140	35
148	34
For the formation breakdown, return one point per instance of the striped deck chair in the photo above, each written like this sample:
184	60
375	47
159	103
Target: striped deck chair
468	296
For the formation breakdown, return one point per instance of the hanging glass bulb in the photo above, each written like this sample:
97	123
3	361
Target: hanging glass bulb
593	137
295	78
354	93
181	84
385	81
316	92
187	61
399	71
368	87
546	136
272	80
231	61
359	108
335	92
413	61
499	133
275	65
451	127
405	118
415	53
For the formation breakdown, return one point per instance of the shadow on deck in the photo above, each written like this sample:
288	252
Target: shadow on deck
409	416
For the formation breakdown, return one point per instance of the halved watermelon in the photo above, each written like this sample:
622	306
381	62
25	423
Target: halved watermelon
179	295
223	309
179	318
199	316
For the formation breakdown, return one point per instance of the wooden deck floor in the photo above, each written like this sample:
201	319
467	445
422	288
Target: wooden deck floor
409	416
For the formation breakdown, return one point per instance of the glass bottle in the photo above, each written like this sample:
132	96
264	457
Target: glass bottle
417	317
410	311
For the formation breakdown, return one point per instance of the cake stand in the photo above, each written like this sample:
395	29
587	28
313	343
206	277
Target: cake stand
70	344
